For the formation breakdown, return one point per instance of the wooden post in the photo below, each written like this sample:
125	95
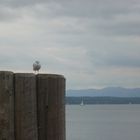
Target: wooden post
6	106
51	107
25	107
32	107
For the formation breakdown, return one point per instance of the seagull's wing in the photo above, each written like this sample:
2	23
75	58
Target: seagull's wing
34	66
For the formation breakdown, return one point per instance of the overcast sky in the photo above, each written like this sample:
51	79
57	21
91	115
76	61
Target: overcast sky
93	43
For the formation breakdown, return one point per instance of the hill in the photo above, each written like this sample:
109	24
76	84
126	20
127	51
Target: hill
105	92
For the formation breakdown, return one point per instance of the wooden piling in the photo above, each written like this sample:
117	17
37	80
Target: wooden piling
25	107
32	107
6	106
51	107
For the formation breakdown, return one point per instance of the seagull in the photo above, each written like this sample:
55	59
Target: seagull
36	66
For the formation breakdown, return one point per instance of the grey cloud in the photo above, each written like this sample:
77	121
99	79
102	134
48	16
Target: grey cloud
12	9
121	28
106	17
107	10
123	61
7	14
117	57
95	8
20	3
77	8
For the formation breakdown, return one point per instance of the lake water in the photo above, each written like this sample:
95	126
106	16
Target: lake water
103	122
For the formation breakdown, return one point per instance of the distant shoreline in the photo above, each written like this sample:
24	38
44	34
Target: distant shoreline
102	100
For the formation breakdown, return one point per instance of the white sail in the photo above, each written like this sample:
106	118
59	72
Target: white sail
82	103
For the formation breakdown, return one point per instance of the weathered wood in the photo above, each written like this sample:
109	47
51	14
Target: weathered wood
32	107
6	106
25	107
51	107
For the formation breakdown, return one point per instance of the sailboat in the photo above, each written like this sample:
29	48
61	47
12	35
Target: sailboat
82	103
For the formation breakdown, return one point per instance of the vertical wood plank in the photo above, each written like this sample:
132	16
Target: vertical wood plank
25	107
6	106
51	106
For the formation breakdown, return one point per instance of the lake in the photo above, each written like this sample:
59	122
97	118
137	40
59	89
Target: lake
103	122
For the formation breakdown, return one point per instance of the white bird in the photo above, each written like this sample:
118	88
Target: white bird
36	66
